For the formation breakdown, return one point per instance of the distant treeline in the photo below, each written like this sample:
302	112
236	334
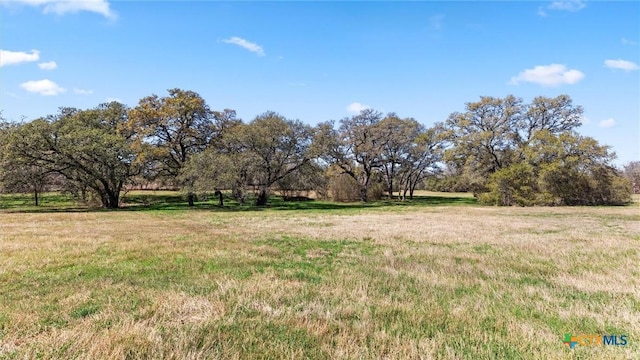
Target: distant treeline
505	151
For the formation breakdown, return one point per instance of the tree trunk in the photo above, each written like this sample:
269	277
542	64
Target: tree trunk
190	199
363	193
263	196
35	196
391	175
110	199
113	200
412	187
220	200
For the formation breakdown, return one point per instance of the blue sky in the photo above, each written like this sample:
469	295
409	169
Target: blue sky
317	61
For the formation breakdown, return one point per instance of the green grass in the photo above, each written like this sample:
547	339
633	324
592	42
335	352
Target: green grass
173	201
419	279
47	202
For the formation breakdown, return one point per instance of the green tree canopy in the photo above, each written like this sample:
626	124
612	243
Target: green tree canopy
168	130
90	148
273	148
356	147
258	154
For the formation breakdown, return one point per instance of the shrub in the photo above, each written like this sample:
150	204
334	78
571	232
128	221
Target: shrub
513	185
344	188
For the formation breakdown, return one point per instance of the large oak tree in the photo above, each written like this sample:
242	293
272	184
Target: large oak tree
356	147
272	147
90	148
169	130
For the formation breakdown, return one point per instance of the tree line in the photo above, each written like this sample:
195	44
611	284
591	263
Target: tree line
505	151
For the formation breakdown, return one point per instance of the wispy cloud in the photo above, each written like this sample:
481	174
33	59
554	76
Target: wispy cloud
607	123
15	57
356	107
12	95
50	65
626	41
82	91
44	87
112	99
569	5
436	22
548	75
61	7
621	65
248	45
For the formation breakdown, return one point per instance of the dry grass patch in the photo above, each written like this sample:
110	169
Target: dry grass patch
410	282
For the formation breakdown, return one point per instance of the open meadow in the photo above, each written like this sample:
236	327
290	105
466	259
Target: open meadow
437	277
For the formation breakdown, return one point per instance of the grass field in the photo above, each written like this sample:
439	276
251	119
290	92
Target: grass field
439	277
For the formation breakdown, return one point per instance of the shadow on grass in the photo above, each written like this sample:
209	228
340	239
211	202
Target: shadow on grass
418	201
54	203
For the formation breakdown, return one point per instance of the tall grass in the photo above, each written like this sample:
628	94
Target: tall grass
423	280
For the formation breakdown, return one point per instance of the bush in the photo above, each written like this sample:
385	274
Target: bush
596	185
377	188
441	183
513	185
607	187
343	188
621	190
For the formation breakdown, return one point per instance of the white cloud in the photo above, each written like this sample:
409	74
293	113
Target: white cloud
82	91
43	87
607	123
15	57
112	99
61	7
253	47
626	41
570	5
356	107
50	65
548	75
621	64
585	120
